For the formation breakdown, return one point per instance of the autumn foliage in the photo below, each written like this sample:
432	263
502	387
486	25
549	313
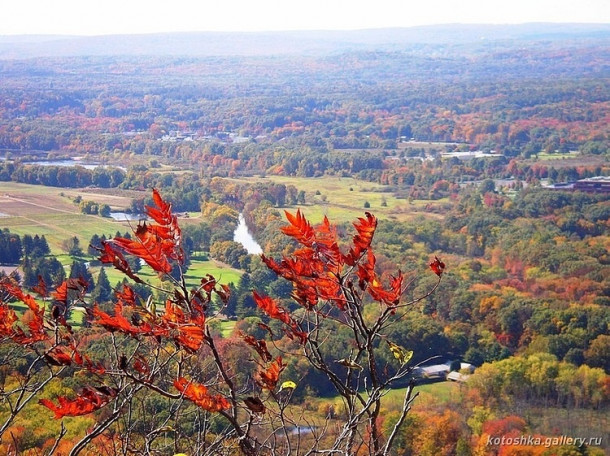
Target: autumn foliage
168	350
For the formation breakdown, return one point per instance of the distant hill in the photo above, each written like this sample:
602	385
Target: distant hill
285	43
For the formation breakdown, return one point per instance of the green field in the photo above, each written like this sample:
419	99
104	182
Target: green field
50	211
342	199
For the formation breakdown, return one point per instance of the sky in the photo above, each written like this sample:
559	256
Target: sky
95	17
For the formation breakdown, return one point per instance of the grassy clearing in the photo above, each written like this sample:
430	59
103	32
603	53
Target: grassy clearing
226	327
195	273
430	394
571	159
342	199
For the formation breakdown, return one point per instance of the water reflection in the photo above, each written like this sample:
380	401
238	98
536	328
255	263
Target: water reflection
243	236
122	216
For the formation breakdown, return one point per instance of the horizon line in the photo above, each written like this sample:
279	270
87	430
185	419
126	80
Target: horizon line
298	30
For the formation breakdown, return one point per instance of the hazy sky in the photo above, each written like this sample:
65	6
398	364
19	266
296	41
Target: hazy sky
95	17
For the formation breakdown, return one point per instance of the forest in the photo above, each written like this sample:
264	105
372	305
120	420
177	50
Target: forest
442	157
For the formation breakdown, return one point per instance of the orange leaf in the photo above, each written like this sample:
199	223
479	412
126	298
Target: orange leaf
271	308
268	378
88	401
7	318
300	229
198	393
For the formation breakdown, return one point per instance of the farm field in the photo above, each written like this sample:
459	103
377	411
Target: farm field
49	211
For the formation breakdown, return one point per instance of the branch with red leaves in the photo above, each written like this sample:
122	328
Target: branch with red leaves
335	284
161	349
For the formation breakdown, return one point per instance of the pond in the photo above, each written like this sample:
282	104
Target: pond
68	162
243	236
122	216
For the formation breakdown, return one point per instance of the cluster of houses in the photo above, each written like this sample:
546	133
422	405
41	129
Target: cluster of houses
598	184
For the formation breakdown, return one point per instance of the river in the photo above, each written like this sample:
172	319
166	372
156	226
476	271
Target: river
243	236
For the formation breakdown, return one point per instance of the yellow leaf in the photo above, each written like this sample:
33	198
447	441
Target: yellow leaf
288	385
402	355
349	363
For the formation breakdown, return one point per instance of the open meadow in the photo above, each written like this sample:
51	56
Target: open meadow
342	199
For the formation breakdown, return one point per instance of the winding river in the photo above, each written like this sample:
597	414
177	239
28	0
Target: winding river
243	236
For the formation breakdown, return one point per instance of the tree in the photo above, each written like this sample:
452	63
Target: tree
154	367
72	246
94	245
104	210
102	292
598	353
40	247
79	270
10	247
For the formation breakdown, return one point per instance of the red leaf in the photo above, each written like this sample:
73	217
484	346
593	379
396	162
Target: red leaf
198	393
127	295
271	308
162	214
300	229
88	401
437	266
58	357
389	296
255	404
260	346
41	288
362	240
268	378
141	365
35	324
147	247
117	322
115	257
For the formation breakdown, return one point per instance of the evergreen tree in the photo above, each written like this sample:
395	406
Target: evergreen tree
51	271
40	247
79	270
102	292
10	247
246	306
28	244
231	306
30	279
94	243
